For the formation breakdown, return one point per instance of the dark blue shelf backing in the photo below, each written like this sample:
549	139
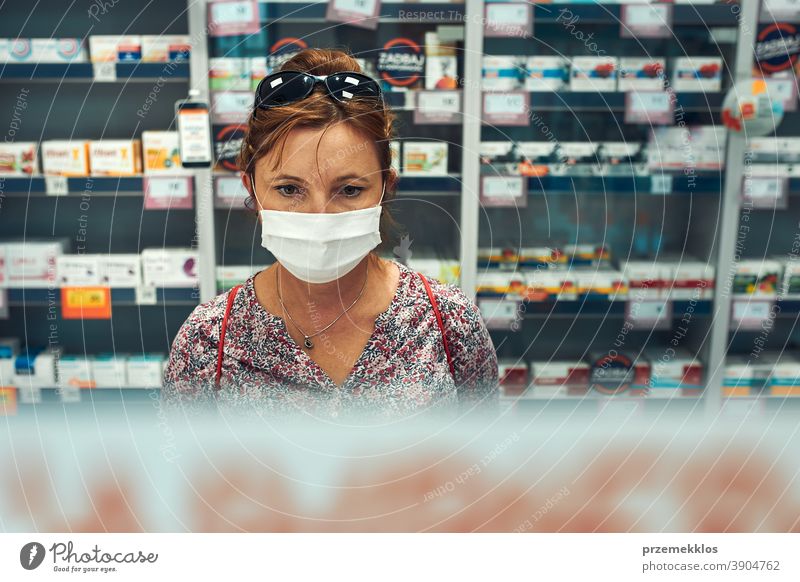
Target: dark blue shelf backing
119	296
433	13
75	186
702	184
615	101
682	14
598	306
84	71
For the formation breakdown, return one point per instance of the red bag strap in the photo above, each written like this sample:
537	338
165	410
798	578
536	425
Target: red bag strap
439	323
231	297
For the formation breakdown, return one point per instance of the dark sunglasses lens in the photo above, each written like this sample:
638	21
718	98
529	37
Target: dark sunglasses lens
346	87
282	88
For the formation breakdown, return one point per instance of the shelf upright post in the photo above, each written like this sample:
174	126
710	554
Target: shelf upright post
471	141
729	219
204	192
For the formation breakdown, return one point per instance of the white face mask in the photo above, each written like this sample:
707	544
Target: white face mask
320	247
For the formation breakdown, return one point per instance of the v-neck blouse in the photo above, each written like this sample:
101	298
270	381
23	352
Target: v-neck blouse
402	370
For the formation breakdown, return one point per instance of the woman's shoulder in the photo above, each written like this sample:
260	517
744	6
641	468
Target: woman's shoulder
203	322
453	303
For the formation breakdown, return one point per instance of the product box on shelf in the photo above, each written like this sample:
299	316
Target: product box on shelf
757	277
555	378
258	70
641	74
618	372
784	379
58	50
593	74
65	158
513	376
615	158
444	270
504	259
424	158
113	48
499	283
647	279
587	255
162	153
36	367
145	370
115	157
18	159
791	279
78	270
576	154
170	267
120	270
674	372
16	50
166	47
551	285
229	74
738	378
3	266
691	279
32	264
546	73
502	73
697	74
74	372
110	370
531	258
773	150
231	275
600	283
441	63
699	147
9	348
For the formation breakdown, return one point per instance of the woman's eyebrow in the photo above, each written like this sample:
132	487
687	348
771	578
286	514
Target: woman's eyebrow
288	177
351	177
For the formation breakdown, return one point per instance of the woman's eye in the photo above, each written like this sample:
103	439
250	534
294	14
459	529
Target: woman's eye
351	191
288	189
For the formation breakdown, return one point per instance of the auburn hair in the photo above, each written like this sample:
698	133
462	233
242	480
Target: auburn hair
267	129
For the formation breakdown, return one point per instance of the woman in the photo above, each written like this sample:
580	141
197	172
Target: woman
330	326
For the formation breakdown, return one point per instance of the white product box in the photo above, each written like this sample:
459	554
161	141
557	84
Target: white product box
619	153
32	264
499	283
78	270
58	50
559	378
164	48
691	279
784	377
145	371
505	259
646	279
502	73
637	74
161	153
229	74
441	64
65	158
697	74
546	74
230	275
551	285
16	50
603	282
120	270
423	158
674	372
739	377
111	157
701	147
36	368
514	376
791	278
774	150
171	267
758	278
576	152
708	146
593	74
110	371
113	48
9	348
18	159
74	372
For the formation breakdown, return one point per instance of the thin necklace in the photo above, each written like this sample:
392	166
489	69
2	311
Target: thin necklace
306	337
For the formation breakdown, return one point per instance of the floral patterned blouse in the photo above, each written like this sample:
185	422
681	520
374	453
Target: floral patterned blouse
402	371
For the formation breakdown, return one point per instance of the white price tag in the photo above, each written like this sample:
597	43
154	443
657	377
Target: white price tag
503	191
105	72
661	184
362	7
514	19
764	192
227	13
649	314
751	313
504	104
783	90
145	295
649	107
499	313
163	187
69	394
56	185
646	20
229	192
437	102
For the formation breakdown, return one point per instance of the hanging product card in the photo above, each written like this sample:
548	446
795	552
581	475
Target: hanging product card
56	185
661	184
750	314
784	91
165	192
511	19
86	303
104	72
646	21
437	108
650	314
766	192
649	107
229	192
499	191
510	108
361	13
233	18
231	106
500	313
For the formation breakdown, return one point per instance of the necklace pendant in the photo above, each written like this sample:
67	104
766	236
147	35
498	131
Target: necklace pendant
308	343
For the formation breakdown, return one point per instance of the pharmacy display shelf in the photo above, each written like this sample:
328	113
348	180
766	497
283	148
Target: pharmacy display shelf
120	297
702	183
696	102
170	72
595	307
397	13
606	13
77	186
51	395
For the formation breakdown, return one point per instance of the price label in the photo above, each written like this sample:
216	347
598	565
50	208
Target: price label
763	192
229	192
233	18
104	72
230	106
646	21
751	314
661	184
86	303
167	192
649	314
145	295
437	107
779	9
783	90
649	107
500	313
510	108
508	19
362	13
503	191
69	394
56	185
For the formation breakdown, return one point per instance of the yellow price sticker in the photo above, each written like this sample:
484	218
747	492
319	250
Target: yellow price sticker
85	302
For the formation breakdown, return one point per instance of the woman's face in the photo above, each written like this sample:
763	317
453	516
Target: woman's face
332	172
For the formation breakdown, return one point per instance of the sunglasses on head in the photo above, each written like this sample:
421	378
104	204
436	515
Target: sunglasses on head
286	87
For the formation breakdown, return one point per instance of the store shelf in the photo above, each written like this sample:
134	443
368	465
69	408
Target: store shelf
83	72
615	101
703	183
593	306
314	13
597	13
120	297
90	186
